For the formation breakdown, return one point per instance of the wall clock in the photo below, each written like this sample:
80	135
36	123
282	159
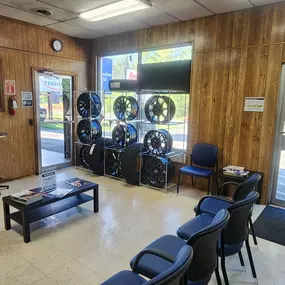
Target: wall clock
57	45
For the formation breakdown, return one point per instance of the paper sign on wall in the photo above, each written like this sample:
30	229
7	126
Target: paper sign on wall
10	87
254	104
27	99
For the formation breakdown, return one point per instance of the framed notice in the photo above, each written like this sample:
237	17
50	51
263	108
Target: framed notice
254	104
27	99
10	87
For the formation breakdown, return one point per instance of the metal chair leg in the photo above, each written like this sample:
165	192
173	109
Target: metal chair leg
209	184
223	261
253	231
217	273
250	259
218	277
178	182
241	258
223	265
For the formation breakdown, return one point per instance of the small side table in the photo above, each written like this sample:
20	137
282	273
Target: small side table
222	178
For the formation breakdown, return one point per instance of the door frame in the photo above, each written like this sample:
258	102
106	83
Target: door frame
277	147
74	76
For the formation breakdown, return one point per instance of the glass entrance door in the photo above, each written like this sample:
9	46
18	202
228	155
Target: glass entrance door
54	120
278	164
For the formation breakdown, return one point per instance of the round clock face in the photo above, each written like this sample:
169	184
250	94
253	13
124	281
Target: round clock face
57	45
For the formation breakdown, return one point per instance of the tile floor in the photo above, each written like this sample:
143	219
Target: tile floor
80	247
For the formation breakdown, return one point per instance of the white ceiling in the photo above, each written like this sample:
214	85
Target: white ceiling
65	13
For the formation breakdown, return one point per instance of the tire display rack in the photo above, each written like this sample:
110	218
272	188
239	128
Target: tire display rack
122	127
163	133
137	137
89	130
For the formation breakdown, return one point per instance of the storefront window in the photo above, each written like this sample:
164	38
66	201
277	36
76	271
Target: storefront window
169	54
124	66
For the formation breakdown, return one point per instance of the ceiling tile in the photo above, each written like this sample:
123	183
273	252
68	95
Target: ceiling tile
28	5
24	16
110	26
222	6
152	16
78	6
264	2
182	9
74	31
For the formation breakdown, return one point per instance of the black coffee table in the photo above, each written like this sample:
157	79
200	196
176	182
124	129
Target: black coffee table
46	207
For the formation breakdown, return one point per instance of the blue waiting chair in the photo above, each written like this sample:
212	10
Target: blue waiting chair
242	190
203	155
174	275
203	240
235	233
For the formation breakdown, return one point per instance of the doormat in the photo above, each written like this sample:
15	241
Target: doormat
270	225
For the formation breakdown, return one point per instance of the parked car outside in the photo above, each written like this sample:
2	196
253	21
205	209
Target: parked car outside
43	114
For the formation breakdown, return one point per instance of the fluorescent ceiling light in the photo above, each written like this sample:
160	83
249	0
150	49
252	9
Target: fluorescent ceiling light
118	8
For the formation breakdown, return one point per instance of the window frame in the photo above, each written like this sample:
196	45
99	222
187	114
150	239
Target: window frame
2	87
140	52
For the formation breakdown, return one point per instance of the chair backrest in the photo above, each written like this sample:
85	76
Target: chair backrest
236	230
204	244
204	154
174	274
246	187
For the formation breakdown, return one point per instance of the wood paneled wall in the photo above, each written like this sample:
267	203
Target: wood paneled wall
23	46
236	55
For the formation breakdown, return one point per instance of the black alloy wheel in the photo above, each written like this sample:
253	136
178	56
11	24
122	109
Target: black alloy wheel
158	142
126	108
89	105
160	109
124	135
159	171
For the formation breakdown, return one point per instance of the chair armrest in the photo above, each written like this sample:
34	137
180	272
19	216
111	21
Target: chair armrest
211	197
152	251
226	184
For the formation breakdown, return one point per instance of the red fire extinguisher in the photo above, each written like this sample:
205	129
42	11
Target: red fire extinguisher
12	105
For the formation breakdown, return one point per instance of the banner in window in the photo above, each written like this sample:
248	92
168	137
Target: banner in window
107	72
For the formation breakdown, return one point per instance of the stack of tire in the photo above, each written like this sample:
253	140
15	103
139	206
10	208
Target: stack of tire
122	156
158	168
89	132
124	160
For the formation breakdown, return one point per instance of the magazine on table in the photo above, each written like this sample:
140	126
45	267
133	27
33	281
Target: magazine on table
27	197
237	171
77	182
58	192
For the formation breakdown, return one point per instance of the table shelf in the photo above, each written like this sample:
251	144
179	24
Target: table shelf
52	209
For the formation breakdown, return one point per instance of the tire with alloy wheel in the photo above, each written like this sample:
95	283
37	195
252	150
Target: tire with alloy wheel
126	108
84	156
113	165
131	163
88	131
124	135
158	142
159	109
159	171
96	162
89	105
